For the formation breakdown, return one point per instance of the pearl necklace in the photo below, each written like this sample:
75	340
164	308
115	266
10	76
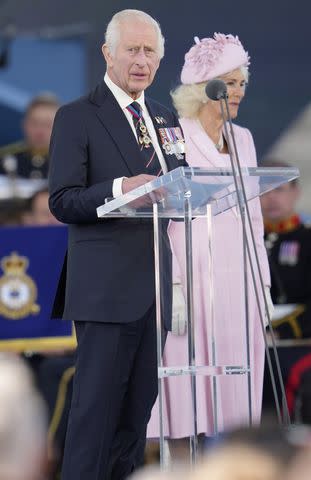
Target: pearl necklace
220	145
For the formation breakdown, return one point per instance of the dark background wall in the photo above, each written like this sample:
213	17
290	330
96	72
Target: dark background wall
276	34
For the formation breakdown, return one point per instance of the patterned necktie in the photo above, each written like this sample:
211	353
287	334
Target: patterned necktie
148	152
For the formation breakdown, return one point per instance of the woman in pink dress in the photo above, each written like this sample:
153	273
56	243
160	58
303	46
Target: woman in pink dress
222	57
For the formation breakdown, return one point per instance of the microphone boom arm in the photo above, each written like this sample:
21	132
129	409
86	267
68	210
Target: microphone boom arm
243	207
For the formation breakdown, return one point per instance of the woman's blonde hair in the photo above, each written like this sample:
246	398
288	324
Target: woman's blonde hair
188	99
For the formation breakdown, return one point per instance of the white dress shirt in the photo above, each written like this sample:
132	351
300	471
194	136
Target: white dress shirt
124	100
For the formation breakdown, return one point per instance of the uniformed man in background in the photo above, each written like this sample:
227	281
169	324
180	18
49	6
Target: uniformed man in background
288	242
28	158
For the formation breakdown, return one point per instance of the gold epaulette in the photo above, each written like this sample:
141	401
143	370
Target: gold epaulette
13	148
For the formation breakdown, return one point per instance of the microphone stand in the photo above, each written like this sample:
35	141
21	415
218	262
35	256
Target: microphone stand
243	208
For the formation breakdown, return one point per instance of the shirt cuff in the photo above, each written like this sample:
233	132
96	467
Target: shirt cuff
117	187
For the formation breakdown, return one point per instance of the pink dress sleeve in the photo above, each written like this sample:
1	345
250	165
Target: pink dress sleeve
257	220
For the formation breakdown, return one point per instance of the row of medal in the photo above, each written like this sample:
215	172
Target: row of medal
173	142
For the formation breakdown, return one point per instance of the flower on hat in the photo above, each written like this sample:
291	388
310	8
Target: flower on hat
203	57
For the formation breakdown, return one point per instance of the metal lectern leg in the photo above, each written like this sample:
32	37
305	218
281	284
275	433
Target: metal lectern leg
190	320
212	343
157	265
247	330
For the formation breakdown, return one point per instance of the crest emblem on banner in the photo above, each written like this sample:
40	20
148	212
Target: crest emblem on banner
18	291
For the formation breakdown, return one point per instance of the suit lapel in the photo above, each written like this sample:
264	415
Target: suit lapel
115	122
170	160
111	116
208	150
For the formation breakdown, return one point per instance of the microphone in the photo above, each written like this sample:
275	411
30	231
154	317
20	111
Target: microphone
216	89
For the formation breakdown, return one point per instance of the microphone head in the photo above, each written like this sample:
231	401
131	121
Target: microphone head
216	89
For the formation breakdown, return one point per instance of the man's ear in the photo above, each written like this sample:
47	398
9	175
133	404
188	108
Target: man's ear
107	55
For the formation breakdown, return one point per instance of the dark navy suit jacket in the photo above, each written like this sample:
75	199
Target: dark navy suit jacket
108	275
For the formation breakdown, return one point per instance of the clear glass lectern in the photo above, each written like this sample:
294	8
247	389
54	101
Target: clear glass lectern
180	197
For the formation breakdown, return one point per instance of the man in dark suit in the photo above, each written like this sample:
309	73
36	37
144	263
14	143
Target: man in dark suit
105	145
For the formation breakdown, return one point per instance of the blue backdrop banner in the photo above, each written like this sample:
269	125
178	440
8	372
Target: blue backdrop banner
31	259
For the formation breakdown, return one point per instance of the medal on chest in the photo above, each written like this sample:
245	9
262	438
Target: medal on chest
289	253
172	141
143	136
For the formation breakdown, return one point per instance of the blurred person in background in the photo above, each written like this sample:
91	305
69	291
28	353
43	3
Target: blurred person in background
301	466
23	426
288	242
268	438
38	212
298	388
238	463
28	158
225	58
53	368
150	473
12	213
258	453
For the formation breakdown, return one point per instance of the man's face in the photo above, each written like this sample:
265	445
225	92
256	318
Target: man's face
38	126
280	203
134	63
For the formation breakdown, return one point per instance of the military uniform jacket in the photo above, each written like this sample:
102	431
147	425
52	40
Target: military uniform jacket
290	265
23	162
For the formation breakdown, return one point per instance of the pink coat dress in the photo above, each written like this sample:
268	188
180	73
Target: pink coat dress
229	293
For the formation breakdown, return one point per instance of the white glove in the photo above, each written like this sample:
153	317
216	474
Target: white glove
179	314
270	304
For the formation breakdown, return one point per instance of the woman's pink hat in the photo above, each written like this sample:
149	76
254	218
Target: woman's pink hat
211	57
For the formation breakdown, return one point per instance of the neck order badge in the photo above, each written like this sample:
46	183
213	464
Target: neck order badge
150	157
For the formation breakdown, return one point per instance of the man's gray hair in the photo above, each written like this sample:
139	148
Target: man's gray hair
112	35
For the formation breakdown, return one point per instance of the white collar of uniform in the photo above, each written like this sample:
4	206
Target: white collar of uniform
123	99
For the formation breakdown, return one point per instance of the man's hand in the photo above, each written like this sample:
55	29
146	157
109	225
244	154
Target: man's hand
131	183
